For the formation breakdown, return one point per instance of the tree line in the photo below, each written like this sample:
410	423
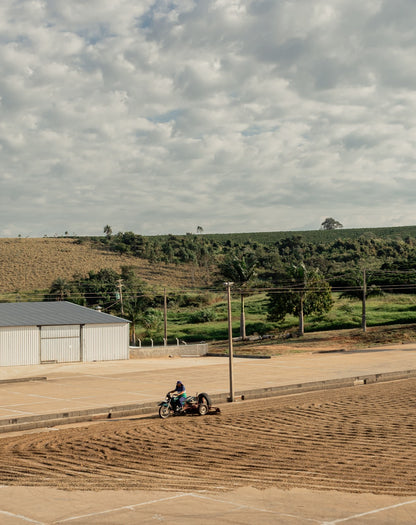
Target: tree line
390	260
298	275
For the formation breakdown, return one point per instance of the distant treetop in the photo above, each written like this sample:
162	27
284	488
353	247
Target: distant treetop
108	231
331	224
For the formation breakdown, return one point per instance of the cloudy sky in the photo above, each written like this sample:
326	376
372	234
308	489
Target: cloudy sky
159	116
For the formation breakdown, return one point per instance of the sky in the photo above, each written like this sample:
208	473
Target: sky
159	116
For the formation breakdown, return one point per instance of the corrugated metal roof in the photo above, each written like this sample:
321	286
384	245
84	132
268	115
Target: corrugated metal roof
52	313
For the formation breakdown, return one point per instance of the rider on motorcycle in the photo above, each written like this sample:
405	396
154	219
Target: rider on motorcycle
180	393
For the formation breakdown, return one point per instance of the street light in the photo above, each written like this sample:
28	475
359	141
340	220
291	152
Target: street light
230	341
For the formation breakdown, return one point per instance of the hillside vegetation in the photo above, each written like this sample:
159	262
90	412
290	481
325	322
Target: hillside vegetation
191	261
340	255
87	269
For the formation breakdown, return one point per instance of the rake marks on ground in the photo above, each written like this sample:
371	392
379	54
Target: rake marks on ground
357	439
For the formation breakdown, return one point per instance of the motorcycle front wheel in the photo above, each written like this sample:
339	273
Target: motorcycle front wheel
164	411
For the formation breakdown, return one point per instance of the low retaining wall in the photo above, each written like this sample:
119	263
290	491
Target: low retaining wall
168	351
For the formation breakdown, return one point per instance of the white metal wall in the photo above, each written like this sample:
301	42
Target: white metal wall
105	342
27	345
19	345
60	343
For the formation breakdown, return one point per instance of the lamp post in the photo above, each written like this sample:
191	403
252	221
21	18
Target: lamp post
230	342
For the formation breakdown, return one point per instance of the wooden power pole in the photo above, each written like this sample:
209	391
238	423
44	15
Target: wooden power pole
165	314
230	342
120	289
364	316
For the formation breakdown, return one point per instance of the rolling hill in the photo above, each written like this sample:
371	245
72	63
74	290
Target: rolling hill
33	264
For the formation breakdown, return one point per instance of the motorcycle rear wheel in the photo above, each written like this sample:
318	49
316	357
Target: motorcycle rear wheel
164	411
203	409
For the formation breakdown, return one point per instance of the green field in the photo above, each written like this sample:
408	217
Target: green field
313	236
389	309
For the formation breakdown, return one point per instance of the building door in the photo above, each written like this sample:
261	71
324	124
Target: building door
60	344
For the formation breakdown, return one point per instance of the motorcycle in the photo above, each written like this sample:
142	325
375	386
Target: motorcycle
199	404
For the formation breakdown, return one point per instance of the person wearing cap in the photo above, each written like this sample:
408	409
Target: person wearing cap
180	392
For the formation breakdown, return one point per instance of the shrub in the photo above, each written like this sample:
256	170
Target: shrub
259	328
188	299
203	316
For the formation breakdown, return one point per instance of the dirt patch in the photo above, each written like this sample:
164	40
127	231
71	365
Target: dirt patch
334	340
359	439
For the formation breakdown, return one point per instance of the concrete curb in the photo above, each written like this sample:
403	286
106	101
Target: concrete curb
240	356
64	418
22	379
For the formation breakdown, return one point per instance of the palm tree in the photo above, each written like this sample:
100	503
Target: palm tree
152	321
133	310
60	289
240	271
108	231
136	299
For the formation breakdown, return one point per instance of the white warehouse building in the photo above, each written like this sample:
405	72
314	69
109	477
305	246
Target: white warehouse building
59	332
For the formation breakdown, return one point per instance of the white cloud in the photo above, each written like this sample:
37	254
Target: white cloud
158	115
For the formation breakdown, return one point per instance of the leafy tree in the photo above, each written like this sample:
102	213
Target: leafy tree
331	224
240	271
308	294
103	288
199	229
292	248
100	287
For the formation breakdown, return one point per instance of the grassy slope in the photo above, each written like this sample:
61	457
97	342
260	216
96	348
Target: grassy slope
33	264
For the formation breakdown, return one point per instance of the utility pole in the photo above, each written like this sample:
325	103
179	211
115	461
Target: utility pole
242	317
120	289
165	311
230	342
364	317
302	301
